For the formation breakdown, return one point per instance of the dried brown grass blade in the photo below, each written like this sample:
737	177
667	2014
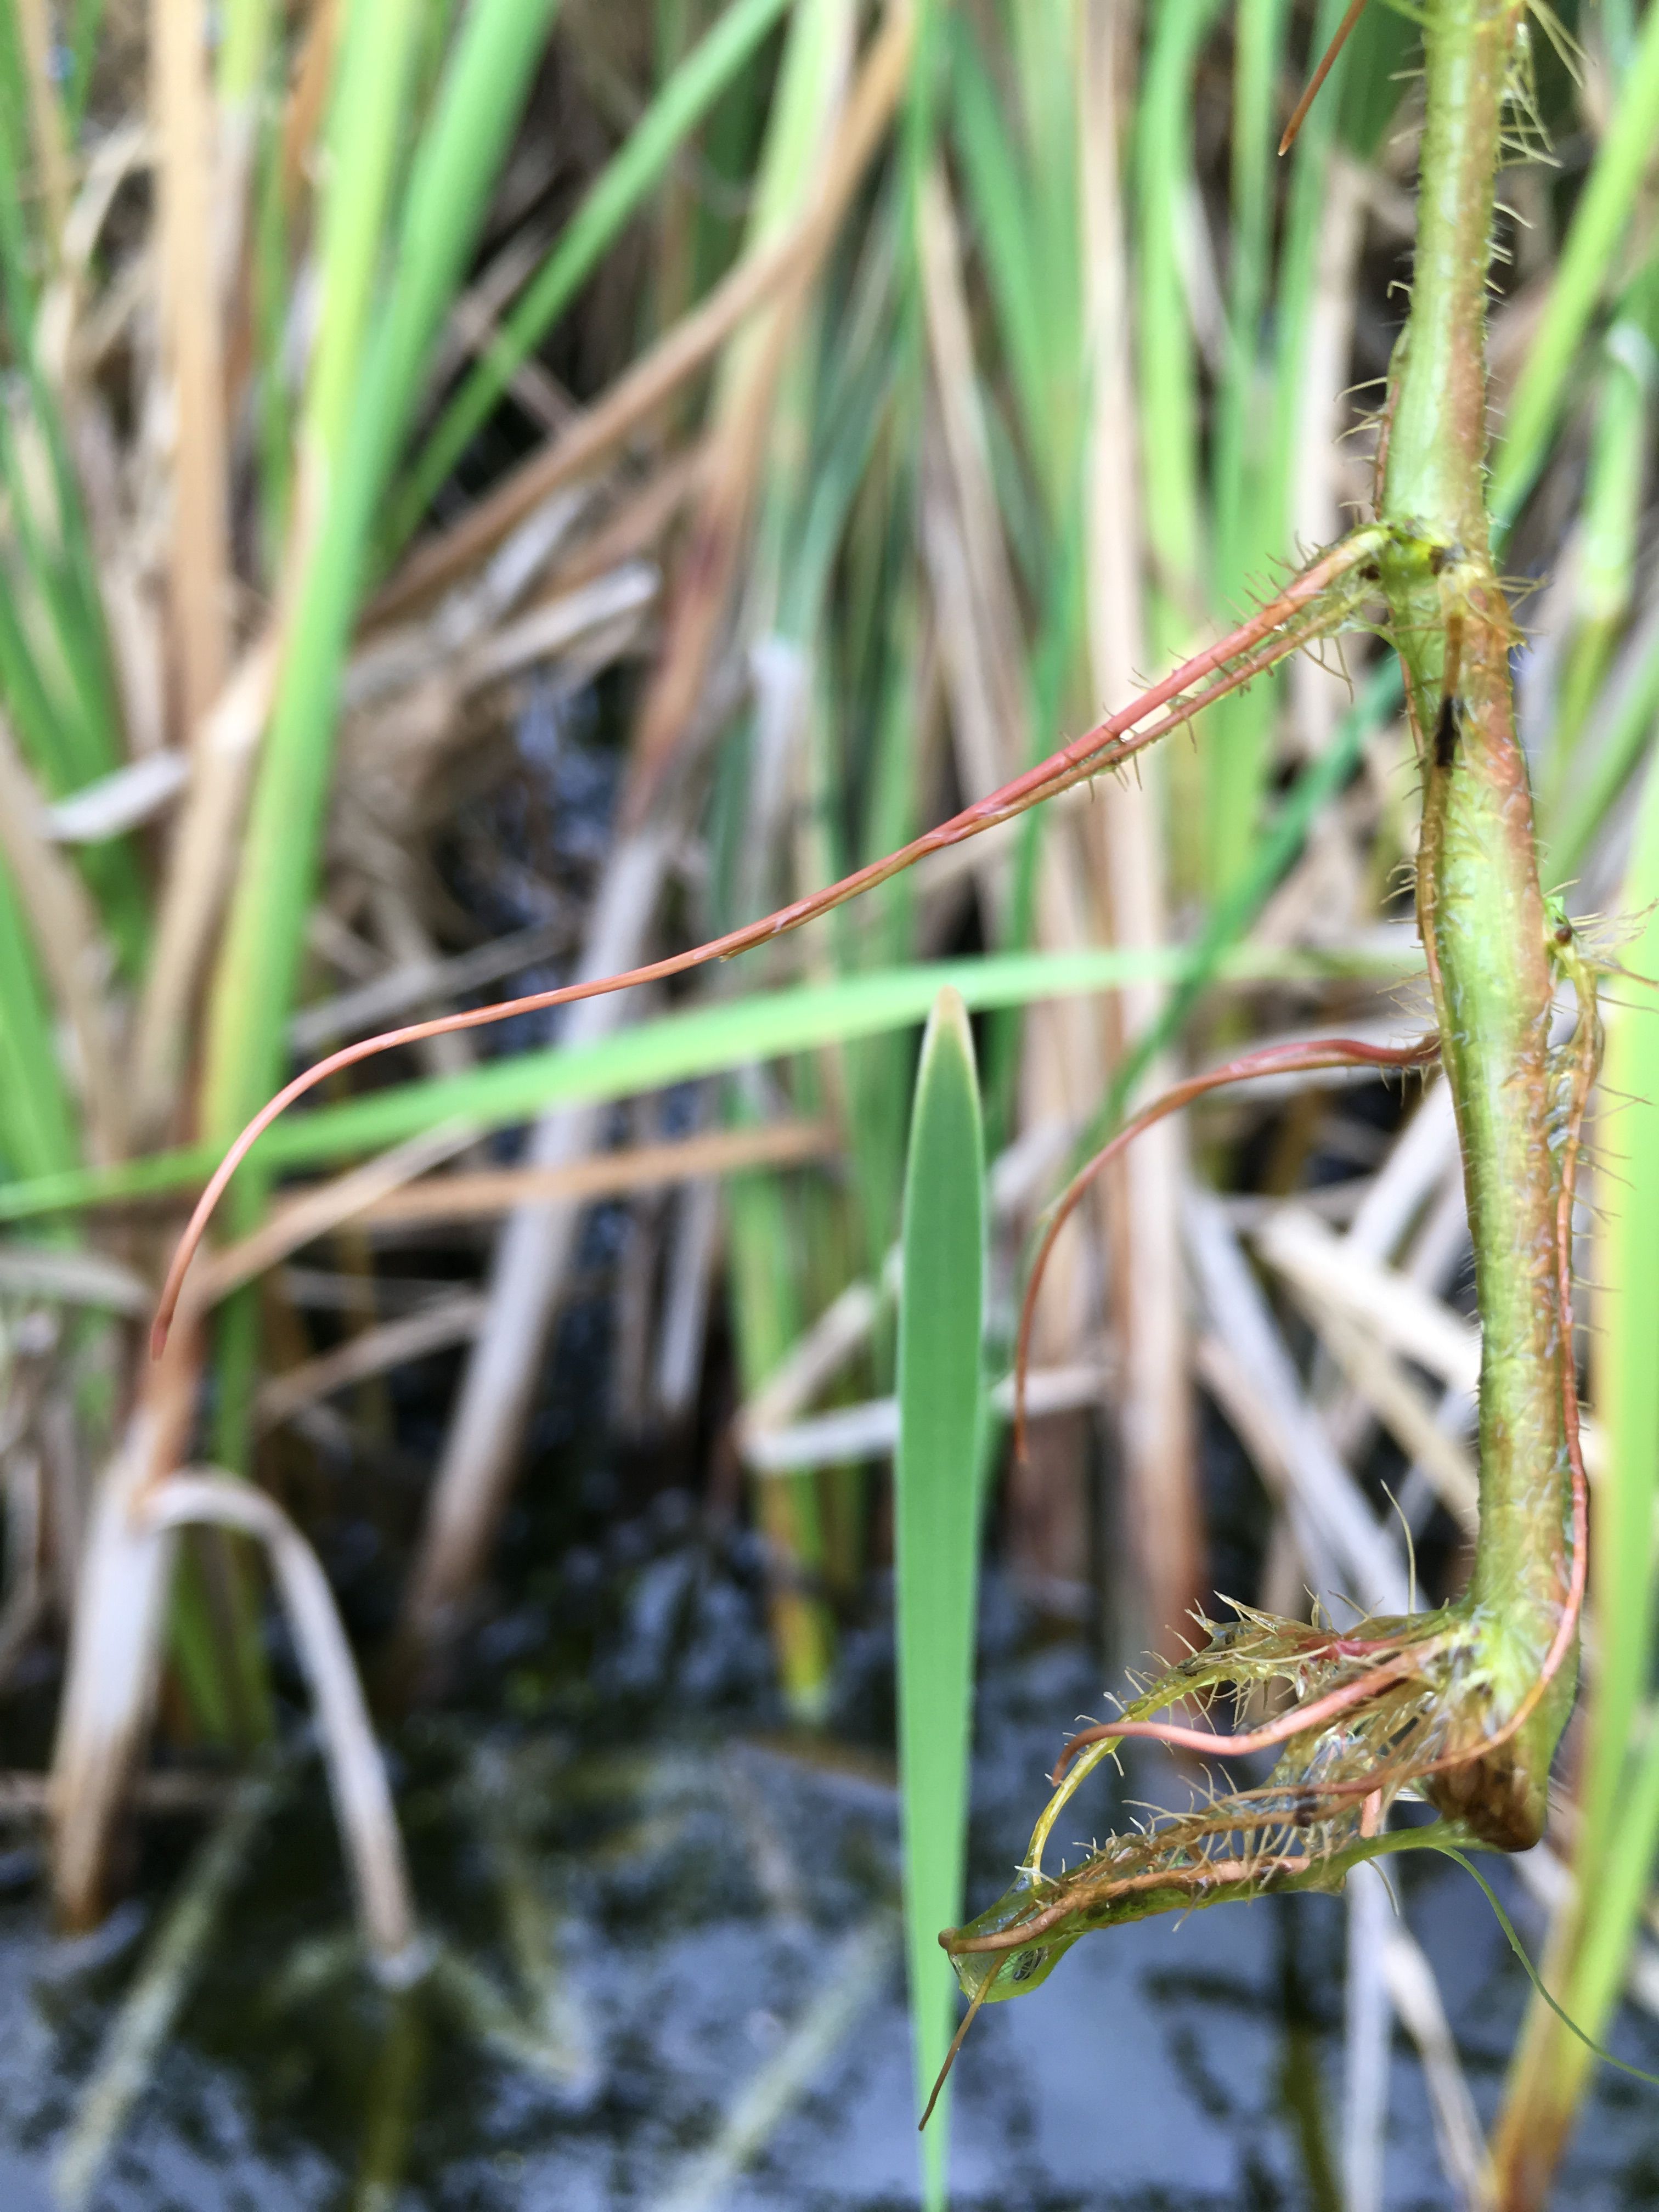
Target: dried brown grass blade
356	1773
1154	1400
200	866
1369	2025
476	1470
715	542
1399	1403
632	1168
69	940
307	99
46	116
1257	1382
434	1327
115	1640
199	551
1403	1314
639	520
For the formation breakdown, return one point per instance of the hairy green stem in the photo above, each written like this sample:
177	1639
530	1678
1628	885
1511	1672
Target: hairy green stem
1485	926
1464	1705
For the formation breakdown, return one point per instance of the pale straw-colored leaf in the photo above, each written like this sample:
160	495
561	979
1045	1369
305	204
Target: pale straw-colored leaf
356	1773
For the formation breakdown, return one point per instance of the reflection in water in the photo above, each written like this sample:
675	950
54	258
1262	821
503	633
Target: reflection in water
664	1971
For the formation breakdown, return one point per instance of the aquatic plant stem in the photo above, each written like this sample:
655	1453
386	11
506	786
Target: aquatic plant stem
1485	928
1466	1704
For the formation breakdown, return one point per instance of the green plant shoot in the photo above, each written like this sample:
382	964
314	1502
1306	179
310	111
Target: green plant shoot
936	1519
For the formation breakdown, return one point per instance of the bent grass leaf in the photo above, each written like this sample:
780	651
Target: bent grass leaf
937	1495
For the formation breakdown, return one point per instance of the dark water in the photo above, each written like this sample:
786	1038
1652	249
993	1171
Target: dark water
640	1890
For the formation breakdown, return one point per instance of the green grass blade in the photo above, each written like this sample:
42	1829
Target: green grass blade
345	435
1630	721
1622	1879
1258	38
1599	222
1256	414
1299	262
461	150
273	401
764	1257
259	958
366	121
244	48
1169	404
1627	1374
614	198
86	20
765	1026
709	1040
56	672
1618	452
1044	50
997	194
13	92
1618	1828
1373	66
936	1525
1610	525
363	386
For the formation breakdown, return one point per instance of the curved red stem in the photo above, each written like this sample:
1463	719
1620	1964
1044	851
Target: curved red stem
1296	1721
1106	746
1272	1059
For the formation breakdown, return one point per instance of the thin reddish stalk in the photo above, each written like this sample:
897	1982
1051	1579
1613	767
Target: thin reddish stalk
1356	8
1106	746
1295	1723
956	2042
1272	1060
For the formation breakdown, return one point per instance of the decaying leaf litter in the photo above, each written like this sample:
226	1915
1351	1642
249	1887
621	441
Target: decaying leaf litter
817	156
